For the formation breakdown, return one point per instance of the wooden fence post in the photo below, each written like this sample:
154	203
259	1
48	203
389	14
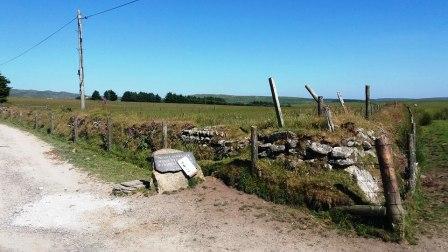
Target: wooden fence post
412	171
278	109
165	135
319	105
35	121
329	119
312	93
394	208
51	129
109	133
367	101
75	129
341	100
254	149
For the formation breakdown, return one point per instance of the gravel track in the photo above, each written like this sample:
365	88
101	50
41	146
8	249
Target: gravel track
47	204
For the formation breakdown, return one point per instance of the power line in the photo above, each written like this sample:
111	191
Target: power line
37	44
111	9
62	27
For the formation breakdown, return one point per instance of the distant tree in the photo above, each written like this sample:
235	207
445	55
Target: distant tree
4	89
129	96
110	95
96	95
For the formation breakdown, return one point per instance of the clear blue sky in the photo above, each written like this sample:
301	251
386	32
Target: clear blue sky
400	48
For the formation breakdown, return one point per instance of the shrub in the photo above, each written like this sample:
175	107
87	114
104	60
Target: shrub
425	119
441	114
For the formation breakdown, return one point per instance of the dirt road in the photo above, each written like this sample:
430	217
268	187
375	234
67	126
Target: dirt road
47	204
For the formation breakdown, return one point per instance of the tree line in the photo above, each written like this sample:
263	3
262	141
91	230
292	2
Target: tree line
129	96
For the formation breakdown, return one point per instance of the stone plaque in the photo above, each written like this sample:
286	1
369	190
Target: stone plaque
169	162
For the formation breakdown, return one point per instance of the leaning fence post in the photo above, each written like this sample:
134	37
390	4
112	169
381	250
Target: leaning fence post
165	135
367	101
341	100
319	105
394	208
109	133
254	149
75	129
278	109
329	118
312	93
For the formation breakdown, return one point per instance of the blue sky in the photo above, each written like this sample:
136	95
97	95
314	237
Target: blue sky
232	47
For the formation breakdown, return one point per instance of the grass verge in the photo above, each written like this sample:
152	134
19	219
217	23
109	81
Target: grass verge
428	207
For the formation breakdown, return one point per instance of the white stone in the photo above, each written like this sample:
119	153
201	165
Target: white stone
366	183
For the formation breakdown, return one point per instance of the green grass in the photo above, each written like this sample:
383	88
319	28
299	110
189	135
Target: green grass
428	208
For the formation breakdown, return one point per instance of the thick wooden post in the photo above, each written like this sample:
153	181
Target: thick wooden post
165	135
278	109
394	208
329	119
109	133
319	105
254	149
75	129
367	101
312	93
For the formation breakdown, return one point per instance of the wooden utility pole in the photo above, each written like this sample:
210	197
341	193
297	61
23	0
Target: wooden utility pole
367	101
81	62
394	208
278	110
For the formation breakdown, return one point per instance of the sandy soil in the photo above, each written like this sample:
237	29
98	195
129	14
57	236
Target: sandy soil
47	204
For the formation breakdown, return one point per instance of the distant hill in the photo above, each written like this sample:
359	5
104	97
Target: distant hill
42	94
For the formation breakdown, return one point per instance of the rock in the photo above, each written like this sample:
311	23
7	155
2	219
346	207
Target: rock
371	134
262	154
366	145
263	147
277	148
328	167
350	143
319	148
130	187
292	151
173	180
342	162
342	152
292	143
366	183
